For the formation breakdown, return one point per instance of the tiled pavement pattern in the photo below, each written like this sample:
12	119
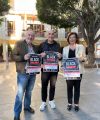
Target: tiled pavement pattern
89	100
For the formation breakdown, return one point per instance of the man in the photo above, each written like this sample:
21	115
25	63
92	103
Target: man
49	45
25	81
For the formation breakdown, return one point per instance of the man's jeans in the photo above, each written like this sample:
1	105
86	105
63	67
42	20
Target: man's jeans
25	84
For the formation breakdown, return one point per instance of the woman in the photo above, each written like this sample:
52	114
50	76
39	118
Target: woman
74	50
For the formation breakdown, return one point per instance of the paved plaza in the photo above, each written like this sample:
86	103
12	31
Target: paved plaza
89	100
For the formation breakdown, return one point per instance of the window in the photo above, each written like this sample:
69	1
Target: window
11	27
38	29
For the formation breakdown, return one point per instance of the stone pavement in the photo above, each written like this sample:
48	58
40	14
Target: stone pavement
89	100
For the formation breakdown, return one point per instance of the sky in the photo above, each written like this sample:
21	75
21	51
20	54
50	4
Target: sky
25	6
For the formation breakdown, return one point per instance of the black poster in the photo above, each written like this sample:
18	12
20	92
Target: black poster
50	62
35	60
34	64
71	68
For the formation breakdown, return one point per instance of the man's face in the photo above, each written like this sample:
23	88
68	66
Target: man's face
50	36
29	36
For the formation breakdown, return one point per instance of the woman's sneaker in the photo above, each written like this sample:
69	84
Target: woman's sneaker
52	104
43	106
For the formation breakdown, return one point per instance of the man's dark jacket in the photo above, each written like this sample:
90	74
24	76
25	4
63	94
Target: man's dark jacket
45	46
19	51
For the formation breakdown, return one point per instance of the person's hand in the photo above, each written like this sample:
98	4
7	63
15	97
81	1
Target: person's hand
59	55
42	65
43	54
26	57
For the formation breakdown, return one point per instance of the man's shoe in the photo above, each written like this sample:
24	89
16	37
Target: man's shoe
43	106
76	108
30	110
52	104
69	107
16	118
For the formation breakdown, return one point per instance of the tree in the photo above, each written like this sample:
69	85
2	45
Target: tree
4	7
71	13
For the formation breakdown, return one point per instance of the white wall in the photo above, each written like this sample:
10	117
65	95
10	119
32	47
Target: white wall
61	34
18	25
3	30
47	28
75	29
